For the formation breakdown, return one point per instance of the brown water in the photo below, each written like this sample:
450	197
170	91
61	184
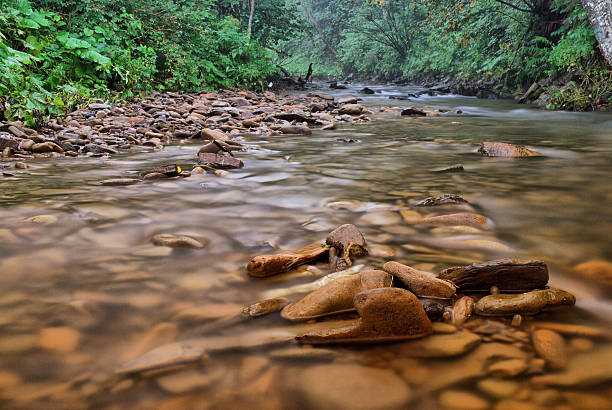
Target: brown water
95	271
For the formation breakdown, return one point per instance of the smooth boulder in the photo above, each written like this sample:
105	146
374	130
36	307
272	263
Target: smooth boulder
346	244
420	283
529	303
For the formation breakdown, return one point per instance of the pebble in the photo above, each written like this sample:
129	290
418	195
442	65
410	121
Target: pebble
208	312
59	339
42	219
583	370
587	401
508	368
439	345
351	387
512	404
517	320
498	389
462	310
528	303
463	219
8	380
177	241
600	270
456	399
551	347
420	283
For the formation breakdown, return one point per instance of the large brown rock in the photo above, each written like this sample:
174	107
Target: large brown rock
501	149
210	134
335	297
420	283
268	265
460	219
352	109
386	314
295	130
219	160
551	347
529	303
347	243
507	274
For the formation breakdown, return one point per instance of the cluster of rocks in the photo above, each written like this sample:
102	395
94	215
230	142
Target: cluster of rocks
102	129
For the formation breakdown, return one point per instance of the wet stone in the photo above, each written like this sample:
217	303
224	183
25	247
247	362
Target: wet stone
434	308
462	310
551	347
500	149
268	265
456	399
583	370
265	307
529	303
447	199
386	314
176	241
335	297
42	219
498	389
219	160
508	368
467	219
346	244
439	345
420	283
59	339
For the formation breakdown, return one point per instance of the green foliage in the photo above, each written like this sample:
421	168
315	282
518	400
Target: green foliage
55	55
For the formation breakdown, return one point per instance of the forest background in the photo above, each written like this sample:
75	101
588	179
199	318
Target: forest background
55	55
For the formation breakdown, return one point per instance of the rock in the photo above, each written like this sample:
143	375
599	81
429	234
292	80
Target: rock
438	345
210	134
512	404
420	283
386	314
350	387
587	401
516	320
434	308
413	112
45	147
9	141
184	381
98	149
467	219
551	347
348	100
600	270
176	241
581	344
508	368
443	328
574	330
219	160
208	312
335	297
452	168
120	181
268	265
462	310
583	370
529	303
447	199
352	109
295	130
507	274
171	170
462	400
152	176
366	90
500	149
382	218
98	106
265	307
304	352
346	244
42	219
498	389
59	339
410	216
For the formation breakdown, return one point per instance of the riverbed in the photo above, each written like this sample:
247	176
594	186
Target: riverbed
88	291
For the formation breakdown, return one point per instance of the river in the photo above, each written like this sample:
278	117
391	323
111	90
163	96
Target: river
94	277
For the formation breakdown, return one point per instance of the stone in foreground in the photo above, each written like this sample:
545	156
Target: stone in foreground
439	345
500	149
335	297
507	274
420	283
347	243
551	347
529	303
268	265
219	160
386	315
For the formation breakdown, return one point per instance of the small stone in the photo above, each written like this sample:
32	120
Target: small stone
508	368
381	218
462	400
467	219
443	328
462	310
500	149
512	404
551	347
439	345
335	297
352	109
265	307
434	308
268	265
517	320
295	130
350	387
498	389
21	165
600	270
494	290
446	199
198	171
420	283
529	303
348	244
581	344
120	181
42	219
587	401
176	241
574	330
210	134
386	314
220	160
59	339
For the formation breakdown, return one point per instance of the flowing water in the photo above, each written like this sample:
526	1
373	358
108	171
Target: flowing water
82	295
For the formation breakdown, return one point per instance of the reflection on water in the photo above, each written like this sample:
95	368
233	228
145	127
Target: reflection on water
88	291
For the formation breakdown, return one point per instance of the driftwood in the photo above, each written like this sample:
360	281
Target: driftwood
507	274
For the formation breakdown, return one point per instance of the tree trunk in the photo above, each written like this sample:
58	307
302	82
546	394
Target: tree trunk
315	24
252	4
600	15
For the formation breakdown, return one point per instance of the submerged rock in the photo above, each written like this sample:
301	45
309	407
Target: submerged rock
120	181
346	244
529	303
500	149
413	112
583	370
507	274
176	241
335	297
447	199
420	283
467	219
439	345
386	314
295	130
600	270
462	400
171	170
219	160
268	265
265	307
452	168
551	347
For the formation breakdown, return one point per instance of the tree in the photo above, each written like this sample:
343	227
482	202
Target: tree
600	15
